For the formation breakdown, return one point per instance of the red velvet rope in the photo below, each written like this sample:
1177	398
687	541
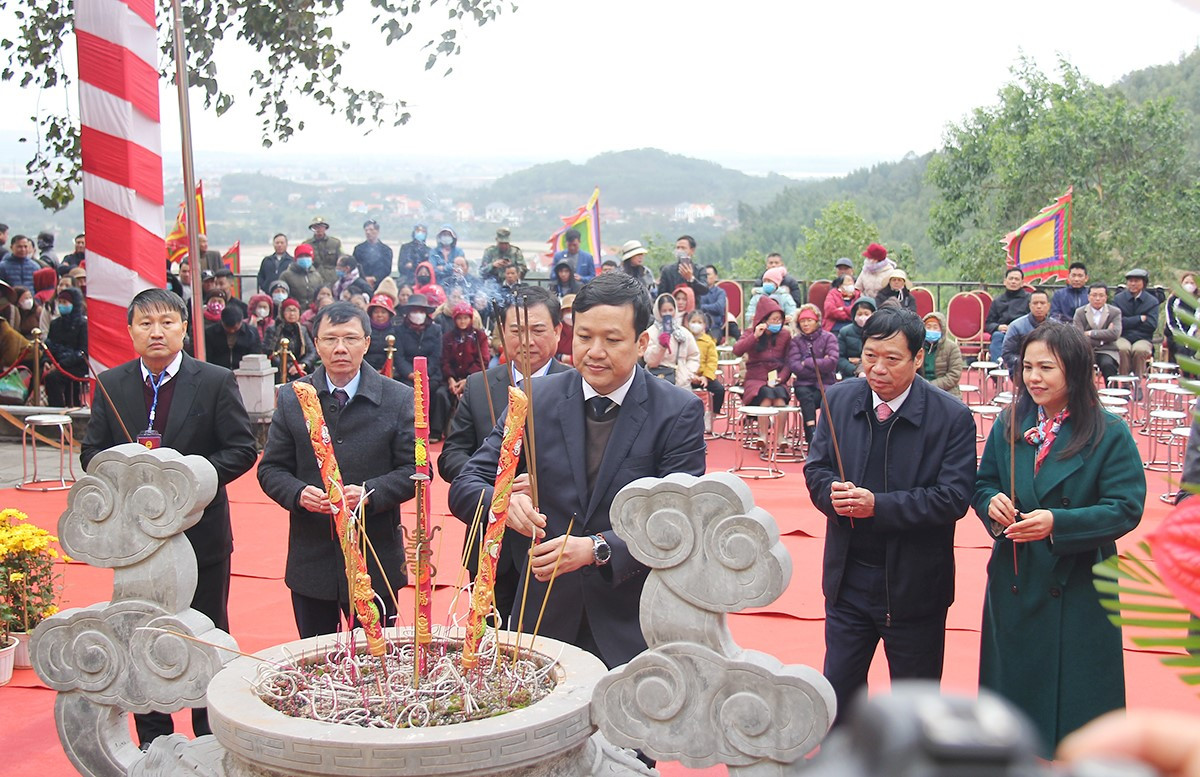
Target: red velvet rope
76	378
15	364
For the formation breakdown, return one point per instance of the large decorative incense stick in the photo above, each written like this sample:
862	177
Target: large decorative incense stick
358	579
418	550
485	579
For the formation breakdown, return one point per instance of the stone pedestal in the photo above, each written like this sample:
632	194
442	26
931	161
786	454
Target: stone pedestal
256	382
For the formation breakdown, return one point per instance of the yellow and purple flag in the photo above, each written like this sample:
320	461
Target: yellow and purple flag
587	221
1041	247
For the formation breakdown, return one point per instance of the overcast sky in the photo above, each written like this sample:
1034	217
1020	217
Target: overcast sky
727	80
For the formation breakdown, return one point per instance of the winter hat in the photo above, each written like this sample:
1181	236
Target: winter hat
875	252
289	303
383	301
775	276
463	309
304	249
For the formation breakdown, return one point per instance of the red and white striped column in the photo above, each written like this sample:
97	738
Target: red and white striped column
122	166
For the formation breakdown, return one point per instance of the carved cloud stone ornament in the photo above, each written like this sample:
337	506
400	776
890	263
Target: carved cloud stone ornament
695	696
129	514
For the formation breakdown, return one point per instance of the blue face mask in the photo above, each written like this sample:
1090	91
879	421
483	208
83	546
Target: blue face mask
304	262
65	308
279	298
931	336
340	273
774	328
420	237
769	288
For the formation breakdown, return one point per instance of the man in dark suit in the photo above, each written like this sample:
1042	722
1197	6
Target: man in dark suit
598	429
198	411
476	415
370	420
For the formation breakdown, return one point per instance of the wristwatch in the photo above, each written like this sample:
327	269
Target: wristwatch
601	552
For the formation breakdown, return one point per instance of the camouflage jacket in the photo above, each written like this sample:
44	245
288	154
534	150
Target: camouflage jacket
514	255
325	255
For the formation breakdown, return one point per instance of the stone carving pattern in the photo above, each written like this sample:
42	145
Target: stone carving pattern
129	514
695	696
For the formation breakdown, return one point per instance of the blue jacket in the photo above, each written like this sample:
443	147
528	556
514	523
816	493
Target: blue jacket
714	304
930	472
1066	301
1016	334
18	272
585	265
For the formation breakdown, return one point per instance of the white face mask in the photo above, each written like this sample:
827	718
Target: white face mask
862	320
696	327
263	312
27	304
417	317
1190	288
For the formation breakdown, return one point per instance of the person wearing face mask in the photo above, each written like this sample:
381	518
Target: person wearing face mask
31	313
811	350
214	304
765	346
839	302
349	279
418	335
682	272
707	377
262	315
771	289
443	254
943	365
464	353
302	277
850	338
672	353
873	278
790	284
427	286
382	312
279	291
68	344
416	251
1176	304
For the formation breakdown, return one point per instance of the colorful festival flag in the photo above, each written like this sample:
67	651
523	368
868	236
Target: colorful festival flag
1041	247
177	238
587	221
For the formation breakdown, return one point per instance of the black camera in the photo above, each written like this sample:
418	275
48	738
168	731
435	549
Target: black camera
915	731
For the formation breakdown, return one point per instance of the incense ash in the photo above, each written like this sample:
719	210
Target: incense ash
339	685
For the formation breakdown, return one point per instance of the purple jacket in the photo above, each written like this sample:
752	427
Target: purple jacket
800	357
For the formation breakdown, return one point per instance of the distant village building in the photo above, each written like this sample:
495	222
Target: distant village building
464	212
691	212
497	211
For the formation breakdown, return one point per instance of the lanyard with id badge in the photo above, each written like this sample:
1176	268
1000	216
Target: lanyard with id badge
150	438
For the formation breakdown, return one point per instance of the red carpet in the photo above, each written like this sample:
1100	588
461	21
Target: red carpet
790	628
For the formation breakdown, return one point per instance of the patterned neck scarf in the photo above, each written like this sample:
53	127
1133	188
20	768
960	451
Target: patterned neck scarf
1044	433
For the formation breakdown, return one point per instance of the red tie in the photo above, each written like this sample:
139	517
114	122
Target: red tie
883	411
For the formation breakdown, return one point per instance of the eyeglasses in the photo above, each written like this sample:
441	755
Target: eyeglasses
352	341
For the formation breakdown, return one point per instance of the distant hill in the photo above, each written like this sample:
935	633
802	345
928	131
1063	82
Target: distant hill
644	177
896	198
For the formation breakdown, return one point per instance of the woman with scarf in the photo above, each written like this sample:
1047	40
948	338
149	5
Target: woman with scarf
382	312
897	289
262	314
873	277
302	354
672	353
943	365
812	350
765	345
68	344
464	352
1047	644
1175	323
418	335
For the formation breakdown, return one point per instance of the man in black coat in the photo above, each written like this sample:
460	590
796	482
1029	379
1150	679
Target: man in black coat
683	271
477	415
374	257
1006	308
274	264
229	340
598	430
889	539
197	409
1139	319
370	420
417	334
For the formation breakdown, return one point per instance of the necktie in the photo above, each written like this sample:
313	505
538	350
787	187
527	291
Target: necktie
883	411
600	407
341	396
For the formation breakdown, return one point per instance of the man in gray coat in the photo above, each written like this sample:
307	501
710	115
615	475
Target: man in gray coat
1100	322
370	420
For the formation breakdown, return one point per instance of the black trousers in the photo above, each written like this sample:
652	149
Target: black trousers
856	622
212	599
1107	364
322	616
809	398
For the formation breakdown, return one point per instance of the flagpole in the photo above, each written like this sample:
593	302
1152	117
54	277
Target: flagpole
195	261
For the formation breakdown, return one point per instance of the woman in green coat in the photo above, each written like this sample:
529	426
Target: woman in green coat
1047	644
